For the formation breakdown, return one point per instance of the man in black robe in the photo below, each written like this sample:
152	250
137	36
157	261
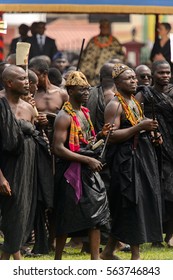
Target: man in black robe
99	97
19	170
160	98
80	195
135	200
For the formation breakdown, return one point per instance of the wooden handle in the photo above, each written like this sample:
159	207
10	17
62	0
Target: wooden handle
36	112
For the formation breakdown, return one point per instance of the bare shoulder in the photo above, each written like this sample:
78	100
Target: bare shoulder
139	97
27	106
64	94
61	92
62	119
112	105
108	95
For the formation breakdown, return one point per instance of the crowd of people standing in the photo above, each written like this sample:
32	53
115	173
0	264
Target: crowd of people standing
79	159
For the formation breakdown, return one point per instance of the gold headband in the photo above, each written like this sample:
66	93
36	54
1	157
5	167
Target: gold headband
77	78
118	69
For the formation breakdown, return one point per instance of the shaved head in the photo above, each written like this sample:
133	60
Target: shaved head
11	72
32	77
15	80
141	68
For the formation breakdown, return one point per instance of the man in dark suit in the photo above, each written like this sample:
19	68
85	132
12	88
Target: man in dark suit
42	44
23	31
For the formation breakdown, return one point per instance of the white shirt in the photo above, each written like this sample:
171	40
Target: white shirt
41	39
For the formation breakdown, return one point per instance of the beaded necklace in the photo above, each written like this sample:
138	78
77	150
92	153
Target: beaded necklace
103	45
133	116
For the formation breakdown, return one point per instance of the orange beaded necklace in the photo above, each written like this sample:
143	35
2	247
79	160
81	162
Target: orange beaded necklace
130	115
103	45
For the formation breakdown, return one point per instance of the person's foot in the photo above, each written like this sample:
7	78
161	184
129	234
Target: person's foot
135	258
157	245
104	256
25	251
74	243
123	247
170	242
86	249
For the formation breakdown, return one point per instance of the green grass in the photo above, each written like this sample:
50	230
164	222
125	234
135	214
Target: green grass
146	252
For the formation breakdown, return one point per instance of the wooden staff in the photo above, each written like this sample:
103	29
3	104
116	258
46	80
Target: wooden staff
153	115
80	55
22	54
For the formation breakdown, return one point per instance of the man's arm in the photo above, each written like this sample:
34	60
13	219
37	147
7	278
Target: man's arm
29	107
139	97
61	128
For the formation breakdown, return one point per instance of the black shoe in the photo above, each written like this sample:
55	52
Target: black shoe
126	248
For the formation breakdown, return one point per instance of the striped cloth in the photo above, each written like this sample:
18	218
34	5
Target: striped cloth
76	135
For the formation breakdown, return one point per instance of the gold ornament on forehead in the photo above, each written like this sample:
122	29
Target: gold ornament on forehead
118	69
77	78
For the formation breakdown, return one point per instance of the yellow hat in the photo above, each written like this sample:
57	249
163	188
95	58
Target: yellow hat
118	69
77	78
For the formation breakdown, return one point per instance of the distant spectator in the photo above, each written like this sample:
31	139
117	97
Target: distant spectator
42	44
11	58
3	65
43	57
33	28
61	62
161	49
100	49
143	75
55	76
23	31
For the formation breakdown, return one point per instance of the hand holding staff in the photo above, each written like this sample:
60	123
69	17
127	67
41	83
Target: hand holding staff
153	116
22	54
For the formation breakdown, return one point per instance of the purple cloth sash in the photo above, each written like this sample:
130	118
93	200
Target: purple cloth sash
73	177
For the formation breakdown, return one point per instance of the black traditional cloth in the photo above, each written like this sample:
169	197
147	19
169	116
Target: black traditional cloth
44	192
163	106
19	157
96	105
92	208
135	199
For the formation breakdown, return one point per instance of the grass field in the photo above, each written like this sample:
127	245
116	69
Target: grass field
147	253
